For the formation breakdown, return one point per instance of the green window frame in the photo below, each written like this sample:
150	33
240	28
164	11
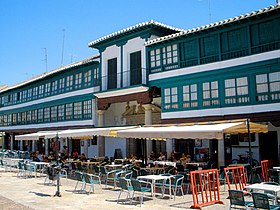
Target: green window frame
54	113
155	58
210	93
170	98
87	109
47	117
69	82
24	95
48	89
34	115
41	91
78	110
1	120
28	117
61	85
69	111
96	76
61	112
14	119
237	91
35	92
29	94
88	78
268	87
190	96
78	80
40	115
170	54
54	87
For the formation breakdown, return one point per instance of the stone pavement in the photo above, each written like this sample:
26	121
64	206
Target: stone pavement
26	194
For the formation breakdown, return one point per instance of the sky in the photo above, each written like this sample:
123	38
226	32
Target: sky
32	29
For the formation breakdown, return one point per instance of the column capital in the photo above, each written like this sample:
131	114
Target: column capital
101	112
147	107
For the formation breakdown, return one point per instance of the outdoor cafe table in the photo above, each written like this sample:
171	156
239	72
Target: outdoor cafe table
276	168
264	187
113	166
153	179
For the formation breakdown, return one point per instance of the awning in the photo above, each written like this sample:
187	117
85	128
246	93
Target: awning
36	136
200	131
89	132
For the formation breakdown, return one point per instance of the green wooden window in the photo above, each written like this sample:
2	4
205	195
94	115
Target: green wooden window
88	78
9	118
47	114
190	98
78	80
155	62
54	113
19	118
77	110
236	91
28	117
268	86
48	89
35	92
61	111
24	95
41	91
169	54
54	87
87	109
96	76
210	93
69	82
40	115
34	116
171	98
61	85
69	111
1	120
14	119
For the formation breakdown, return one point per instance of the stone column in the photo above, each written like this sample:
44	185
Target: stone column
46	146
221	153
12	138
21	145
33	145
101	139
148	121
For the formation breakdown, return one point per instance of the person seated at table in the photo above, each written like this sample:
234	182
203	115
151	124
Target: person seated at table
83	158
161	157
40	156
172	157
45	158
34	157
75	155
131	158
152	156
51	157
188	159
183	159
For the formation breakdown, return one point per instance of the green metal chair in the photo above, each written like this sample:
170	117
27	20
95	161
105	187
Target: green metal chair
91	179
236	198
176	183
261	200
113	176
125	187
80	180
137	188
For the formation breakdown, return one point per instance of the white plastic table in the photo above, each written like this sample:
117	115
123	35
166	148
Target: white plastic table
153	179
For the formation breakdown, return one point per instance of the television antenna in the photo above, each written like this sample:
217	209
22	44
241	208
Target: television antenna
46	58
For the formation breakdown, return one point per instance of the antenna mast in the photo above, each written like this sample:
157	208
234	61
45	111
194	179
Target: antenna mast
63	30
46	58
209	9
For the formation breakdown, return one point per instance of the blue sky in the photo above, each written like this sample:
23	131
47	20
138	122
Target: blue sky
29	26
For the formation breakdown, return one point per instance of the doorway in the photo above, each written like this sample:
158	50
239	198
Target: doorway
269	146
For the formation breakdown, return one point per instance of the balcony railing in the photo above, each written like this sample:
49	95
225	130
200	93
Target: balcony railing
127	78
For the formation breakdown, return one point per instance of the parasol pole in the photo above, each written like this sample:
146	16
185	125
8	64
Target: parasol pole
250	149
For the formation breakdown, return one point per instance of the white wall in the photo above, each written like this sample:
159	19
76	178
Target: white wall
112	143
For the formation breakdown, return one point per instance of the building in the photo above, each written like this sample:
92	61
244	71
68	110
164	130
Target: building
152	73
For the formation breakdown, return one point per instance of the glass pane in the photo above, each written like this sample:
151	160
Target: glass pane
167	99
214	85
206	86
274	76
229	83
263	88
167	91
262	78
174	98
206	94
174	90
275	86
242	81
193	96
193	88
186	97
230	92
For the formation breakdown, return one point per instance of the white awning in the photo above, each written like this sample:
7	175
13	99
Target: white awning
89	132
200	131
36	136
